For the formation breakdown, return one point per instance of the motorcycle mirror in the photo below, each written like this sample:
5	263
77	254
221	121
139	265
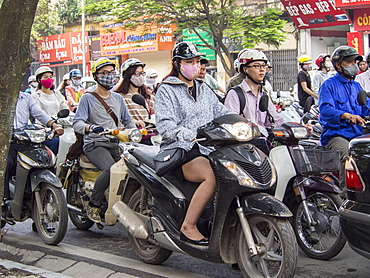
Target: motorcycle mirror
63	113
362	97
264	103
139	99
307	105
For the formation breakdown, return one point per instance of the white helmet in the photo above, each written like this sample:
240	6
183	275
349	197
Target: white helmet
42	70
32	78
66	77
251	55
151	73
130	63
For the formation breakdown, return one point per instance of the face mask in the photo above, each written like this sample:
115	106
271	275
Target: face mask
137	81
267	75
306	67
190	72
34	85
107	81
47	83
77	82
351	71
329	65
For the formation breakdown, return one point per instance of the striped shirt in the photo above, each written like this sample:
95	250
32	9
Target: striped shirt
136	111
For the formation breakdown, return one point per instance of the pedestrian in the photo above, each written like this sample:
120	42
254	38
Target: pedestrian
75	90
364	78
32	84
340	114
207	78
304	80
92	117
323	62
182	105
133	75
151	79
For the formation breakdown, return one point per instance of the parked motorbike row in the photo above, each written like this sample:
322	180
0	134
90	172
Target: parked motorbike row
264	205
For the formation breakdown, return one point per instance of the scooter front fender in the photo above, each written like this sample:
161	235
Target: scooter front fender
264	204
44	175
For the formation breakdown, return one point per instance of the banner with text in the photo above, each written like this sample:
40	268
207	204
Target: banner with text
352	4
361	19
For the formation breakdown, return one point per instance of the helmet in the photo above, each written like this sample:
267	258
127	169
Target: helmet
269	65
251	55
130	63
236	63
304	59
185	50
321	58
66	77
42	70
75	73
242	51
102	62
32	78
151	73
345	52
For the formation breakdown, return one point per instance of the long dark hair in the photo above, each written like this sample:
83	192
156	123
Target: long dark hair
175	71
125	84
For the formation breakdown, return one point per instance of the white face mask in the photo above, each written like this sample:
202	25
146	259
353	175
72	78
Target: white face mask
329	65
34	85
77	82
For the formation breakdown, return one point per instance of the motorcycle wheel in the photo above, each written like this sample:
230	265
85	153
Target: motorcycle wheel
276	246
52	226
147	252
328	239
74	198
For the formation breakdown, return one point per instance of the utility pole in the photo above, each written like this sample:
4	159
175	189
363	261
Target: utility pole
83	39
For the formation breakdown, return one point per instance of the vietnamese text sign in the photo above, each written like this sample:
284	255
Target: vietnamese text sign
193	37
361	19
307	14
352	4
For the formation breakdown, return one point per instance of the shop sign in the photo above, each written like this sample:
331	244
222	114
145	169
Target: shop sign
116	40
194	38
361	19
61	49
355	40
352	4
307	14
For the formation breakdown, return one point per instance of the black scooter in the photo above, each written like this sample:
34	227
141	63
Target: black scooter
244	223
35	191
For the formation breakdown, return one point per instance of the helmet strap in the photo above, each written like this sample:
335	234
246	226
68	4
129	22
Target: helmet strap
254	81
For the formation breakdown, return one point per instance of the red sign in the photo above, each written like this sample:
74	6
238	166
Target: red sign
352	4
355	40
307	14
361	19
62	49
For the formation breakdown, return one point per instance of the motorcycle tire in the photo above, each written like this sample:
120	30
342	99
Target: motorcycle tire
328	239
277	248
147	252
74	198
52	226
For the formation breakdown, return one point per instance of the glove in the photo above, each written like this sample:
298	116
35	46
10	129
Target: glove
96	129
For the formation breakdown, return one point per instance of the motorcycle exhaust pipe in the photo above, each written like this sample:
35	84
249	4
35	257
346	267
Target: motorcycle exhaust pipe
132	222
73	208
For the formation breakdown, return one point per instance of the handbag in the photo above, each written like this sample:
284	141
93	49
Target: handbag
167	160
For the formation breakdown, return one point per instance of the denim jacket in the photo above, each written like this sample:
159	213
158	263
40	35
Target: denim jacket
178	115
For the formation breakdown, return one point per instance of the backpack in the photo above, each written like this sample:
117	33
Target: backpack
241	96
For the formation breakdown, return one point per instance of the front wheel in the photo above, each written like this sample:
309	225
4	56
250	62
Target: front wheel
327	238
276	247
147	252
51	219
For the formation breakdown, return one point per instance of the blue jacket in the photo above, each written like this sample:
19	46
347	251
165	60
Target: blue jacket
338	95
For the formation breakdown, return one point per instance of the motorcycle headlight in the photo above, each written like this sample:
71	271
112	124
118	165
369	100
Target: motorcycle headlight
241	131
36	136
135	135
300	132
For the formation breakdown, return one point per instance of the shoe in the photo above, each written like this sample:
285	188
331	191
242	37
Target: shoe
203	241
93	213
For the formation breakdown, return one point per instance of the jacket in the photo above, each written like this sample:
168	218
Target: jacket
178	115
338	95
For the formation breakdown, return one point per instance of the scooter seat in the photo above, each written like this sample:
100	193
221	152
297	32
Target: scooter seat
146	154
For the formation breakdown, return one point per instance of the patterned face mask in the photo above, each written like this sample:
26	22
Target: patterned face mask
107	81
137	81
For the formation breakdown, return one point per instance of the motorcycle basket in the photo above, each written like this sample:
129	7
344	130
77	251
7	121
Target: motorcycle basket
316	160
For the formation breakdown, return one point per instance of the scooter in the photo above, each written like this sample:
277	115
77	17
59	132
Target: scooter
306	185
35	191
244	223
78	177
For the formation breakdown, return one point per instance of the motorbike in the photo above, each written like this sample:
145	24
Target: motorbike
35	191
245	224
305	183
284	105
78	178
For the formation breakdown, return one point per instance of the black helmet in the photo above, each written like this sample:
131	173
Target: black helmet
346	53
185	50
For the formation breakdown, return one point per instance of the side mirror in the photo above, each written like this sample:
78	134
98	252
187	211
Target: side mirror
307	105
264	103
139	99
362	97
63	113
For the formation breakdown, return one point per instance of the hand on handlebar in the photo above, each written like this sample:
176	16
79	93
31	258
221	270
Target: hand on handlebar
140	123
353	119
96	129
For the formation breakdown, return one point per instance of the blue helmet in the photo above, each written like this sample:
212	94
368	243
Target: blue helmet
75	73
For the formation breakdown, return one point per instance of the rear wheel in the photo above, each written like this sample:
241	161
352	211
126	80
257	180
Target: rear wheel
76	198
146	251
52	223
276	246
328	239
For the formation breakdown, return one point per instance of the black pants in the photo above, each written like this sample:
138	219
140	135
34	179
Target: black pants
11	167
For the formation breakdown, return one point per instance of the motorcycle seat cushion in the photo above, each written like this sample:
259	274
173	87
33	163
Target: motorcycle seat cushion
146	154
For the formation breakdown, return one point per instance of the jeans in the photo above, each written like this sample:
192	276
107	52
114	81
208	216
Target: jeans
341	144
103	155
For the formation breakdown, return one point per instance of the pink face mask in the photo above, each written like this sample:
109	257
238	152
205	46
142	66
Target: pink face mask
47	83
190	72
